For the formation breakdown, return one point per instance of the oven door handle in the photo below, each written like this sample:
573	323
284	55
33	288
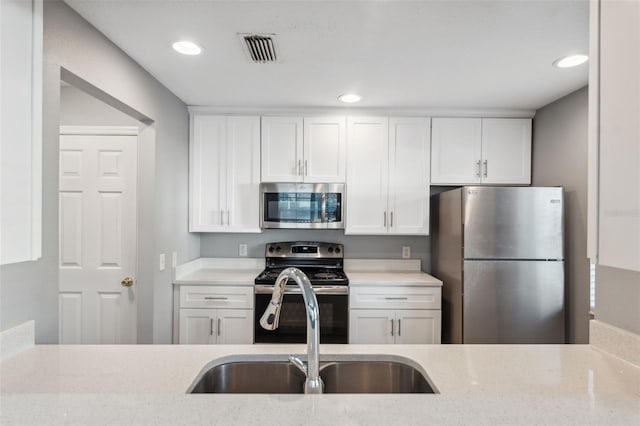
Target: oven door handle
325	289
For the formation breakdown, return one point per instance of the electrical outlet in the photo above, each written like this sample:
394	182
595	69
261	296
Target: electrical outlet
163	261
174	259
406	252
242	250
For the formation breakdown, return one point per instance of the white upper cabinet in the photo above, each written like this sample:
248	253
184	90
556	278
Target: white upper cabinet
506	151
312	149
325	149
21	130
472	151
367	175
456	150
282	149
224	172
388	176
409	150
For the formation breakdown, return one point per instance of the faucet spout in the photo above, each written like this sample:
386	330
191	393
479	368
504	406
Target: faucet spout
271	316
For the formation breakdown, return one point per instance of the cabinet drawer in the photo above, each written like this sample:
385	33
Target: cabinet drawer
232	297
400	297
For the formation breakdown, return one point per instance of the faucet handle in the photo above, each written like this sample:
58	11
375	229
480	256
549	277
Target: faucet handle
298	363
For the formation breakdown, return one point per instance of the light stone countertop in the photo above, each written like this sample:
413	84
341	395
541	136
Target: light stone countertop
243	271
478	384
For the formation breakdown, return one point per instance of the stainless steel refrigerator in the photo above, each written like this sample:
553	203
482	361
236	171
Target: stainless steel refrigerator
500	254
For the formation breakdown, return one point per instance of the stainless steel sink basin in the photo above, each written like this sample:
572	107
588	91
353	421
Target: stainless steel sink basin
343	374
251	377
372	377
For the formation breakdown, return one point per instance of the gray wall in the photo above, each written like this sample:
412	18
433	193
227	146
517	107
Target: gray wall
80	109
29	290
560	158
356	247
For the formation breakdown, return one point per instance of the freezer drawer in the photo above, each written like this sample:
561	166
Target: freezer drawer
513	223
513	302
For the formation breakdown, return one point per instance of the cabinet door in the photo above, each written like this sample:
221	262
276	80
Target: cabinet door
21	130
197	326
409	174
282	149
207	173
371	326
324	149
418	326
455	151
234	326
367	175
506	151
243	174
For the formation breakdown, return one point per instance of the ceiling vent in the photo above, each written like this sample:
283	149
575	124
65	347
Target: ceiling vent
261	48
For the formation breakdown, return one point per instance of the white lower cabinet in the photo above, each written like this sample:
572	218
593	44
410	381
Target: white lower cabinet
395	314
216	326
216	315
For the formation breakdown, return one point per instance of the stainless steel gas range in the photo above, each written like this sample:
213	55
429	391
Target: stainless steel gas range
323	264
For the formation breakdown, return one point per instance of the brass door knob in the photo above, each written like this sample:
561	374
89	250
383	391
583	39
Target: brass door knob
127	282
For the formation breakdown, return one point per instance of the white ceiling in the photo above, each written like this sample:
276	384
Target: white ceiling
470	54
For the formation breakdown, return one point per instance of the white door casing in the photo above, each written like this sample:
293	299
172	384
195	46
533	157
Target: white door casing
98	235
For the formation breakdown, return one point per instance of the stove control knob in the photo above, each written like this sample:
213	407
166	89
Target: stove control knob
337	250
278	249
271	249
330	249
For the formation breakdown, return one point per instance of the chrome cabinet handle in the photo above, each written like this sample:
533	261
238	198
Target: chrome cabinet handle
219	321
385	219
395	298
399	328
300	172
478	168
486	168
391	219
215	298
211	327
392	327
306	171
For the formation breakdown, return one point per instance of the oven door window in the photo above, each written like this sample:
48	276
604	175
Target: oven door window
292	327
302	207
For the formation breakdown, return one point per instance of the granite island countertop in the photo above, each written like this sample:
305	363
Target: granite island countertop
477	384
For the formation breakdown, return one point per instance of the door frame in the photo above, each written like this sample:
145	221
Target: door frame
113	131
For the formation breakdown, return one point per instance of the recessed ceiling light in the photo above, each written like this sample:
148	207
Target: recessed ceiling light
571	61
349	98
187	47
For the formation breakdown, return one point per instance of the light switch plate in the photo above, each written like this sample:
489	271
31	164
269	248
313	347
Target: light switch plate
242	250
163	261
174	259
406	252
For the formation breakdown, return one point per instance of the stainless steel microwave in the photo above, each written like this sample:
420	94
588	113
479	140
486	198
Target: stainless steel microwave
302	205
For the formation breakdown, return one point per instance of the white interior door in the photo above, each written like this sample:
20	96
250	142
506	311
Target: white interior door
97	237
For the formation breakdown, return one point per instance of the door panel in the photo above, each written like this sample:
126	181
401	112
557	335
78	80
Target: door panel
235	326
371	326
98	228
409	165
367	175
418	326
506	150
197	326
281	149
513	223
456	151
513	302
324	149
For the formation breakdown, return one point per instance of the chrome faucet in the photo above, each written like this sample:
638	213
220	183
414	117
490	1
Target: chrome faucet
271	316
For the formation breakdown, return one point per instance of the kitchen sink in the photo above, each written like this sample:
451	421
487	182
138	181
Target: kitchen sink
355	374
251	377
372	377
